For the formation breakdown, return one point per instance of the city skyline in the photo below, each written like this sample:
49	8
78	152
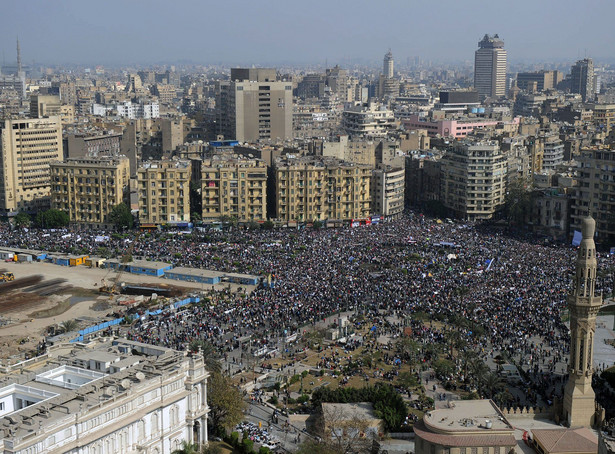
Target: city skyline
240	32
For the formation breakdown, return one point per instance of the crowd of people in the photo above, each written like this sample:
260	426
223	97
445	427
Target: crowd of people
513	288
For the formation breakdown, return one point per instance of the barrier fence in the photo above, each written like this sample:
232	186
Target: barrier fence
117	321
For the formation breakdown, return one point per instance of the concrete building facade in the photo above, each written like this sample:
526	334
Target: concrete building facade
27	147
164	192
105	397
387	187
595	193
87	189
474	179
309	189
234	187
371	120
490	67
254	105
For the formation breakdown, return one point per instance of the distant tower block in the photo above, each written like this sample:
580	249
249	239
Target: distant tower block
387	66
579	397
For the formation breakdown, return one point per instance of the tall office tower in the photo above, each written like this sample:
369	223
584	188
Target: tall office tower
490	67
387	66
582	78
254	105
27	147
579	397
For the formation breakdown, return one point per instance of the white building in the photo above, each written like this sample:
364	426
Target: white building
373	120
128	109
100	398
553	154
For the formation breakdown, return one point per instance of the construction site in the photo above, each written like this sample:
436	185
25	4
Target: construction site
39	298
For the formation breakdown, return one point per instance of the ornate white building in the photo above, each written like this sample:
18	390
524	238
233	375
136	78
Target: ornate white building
107	396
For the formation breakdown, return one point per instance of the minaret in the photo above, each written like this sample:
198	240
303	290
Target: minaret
579	397
18	58
387	65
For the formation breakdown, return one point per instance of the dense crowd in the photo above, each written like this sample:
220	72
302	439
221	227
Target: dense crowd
514	289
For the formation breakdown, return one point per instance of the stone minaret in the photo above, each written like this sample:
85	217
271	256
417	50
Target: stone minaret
579	397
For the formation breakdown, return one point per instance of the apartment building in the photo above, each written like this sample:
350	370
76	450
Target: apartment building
387	188
87	189
164	192
308	189
595	193
234	187
371	120
27	147
474	179
105	397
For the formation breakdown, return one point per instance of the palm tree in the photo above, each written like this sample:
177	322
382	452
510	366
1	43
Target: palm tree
491	384
187	448
210	355
69	325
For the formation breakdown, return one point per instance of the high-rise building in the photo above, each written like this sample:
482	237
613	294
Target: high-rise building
595	193
254	105
387	66
164	192
87	189
308	189
27	147
490	67
236	187
579	397
474	179
582	78
45	106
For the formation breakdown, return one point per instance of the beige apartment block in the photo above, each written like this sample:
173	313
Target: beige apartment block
164	192
87	189
387	187
27	147
309	189
474	179
234	187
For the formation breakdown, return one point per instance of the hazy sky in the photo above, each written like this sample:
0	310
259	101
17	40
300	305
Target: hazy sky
300	31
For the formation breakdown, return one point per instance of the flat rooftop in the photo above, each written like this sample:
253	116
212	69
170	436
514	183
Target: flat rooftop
467	416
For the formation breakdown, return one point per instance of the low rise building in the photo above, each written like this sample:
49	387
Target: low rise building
234	187
164	192
87	189
464	427
448	127
105	396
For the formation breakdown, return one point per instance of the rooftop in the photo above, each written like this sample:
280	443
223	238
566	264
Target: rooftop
467	416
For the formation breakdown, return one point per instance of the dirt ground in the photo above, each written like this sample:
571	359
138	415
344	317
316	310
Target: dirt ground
25	326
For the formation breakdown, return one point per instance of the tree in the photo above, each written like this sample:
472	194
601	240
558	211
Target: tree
22	220
210	355
187	448
491	384
69	325
317	225
518	202
121	216
268	225
52	219
226	406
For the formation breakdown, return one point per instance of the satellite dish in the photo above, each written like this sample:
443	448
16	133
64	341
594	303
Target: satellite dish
140	376
109	390
125	383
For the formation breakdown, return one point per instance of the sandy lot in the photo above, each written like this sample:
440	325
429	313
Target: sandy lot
23	326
